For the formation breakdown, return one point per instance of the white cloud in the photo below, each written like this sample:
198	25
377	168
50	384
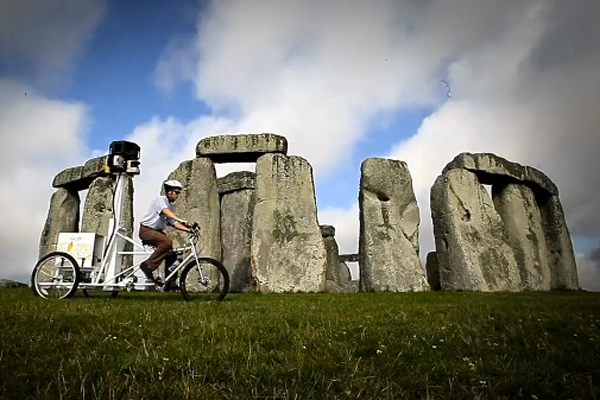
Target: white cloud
39	138
47	35
589	273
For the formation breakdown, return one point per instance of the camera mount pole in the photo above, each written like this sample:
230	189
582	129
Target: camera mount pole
115	225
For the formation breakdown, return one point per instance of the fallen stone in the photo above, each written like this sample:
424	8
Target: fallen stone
561	258
236	181
198	202
63	216
288	254
433	271
516	205
471	242
491	169
240	148
237	208
389	229
10	284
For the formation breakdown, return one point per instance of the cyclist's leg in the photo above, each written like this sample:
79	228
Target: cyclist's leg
171	283
163	245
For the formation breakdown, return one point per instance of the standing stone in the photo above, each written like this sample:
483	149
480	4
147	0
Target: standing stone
561	258
288	254
199	202
433	270
471	242
389	229
98	207
237	208
332	283
344	276
517	206
63	216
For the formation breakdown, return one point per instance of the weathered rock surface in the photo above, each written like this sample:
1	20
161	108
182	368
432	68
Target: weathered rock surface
389	229
240	148
81	177
237	208
344	275
288	254
236	181
98	206
199	202
471	242
518	209
433	270
63	216
491	169
561	258
67	176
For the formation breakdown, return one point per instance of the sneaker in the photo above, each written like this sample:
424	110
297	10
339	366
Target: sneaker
147	271
149	275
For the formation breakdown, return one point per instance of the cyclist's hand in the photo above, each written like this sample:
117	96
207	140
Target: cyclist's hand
194	227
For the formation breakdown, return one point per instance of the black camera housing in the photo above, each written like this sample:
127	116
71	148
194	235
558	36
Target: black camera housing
123	156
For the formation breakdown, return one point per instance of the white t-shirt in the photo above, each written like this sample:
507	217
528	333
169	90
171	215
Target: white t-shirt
154	218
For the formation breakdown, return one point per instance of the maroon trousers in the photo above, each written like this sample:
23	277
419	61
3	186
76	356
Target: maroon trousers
162	243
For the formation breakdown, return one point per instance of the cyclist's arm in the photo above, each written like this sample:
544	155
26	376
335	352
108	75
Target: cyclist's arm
178	221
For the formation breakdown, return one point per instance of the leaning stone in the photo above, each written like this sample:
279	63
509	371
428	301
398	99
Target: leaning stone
344	277
288	254
517	206
561	257
389	229
67	176
63	216
199	202
433	270
240	148
236	181
236	236
470	239
492	169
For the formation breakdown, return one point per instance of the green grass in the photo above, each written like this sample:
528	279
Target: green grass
299	346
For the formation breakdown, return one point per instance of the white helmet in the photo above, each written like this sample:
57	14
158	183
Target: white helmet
173	184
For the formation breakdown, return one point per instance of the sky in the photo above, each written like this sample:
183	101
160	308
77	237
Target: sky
343	80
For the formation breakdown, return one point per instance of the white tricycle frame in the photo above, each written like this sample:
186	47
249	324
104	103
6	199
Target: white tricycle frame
200	277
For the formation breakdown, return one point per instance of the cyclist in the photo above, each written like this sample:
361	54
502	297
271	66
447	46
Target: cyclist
159	215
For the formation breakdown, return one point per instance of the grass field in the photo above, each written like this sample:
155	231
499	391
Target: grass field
300	346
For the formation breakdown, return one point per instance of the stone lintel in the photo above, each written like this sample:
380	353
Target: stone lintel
235	181
240	148
81	177
491	169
